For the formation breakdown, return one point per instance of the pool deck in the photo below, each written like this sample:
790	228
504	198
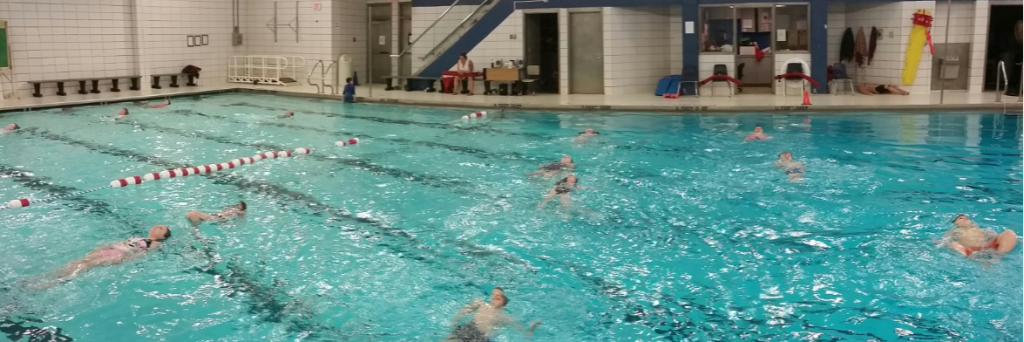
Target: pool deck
953	101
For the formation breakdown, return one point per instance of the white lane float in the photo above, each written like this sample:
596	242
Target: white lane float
474	115
172	173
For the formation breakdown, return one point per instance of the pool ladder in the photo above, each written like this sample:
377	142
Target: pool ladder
324	71
1001	71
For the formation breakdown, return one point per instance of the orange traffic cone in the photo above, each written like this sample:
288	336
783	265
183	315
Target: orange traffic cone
807	98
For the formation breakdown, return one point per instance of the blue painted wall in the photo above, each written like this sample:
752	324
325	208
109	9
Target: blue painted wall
819	44
468	41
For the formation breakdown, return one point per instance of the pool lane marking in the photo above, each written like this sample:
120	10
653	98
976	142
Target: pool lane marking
602	286
454	148
24	178
396	121
260	188
257	187
432	181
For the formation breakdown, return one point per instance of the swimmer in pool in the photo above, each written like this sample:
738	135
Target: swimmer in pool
123	113
287	115
872	89
109	255
562	189
10	128
486	318
586	135
757	135
228	213
794	169
967	238
166	103
550	170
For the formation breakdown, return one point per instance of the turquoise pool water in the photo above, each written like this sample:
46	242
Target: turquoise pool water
682	233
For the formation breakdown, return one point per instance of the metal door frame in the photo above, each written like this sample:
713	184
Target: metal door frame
569	44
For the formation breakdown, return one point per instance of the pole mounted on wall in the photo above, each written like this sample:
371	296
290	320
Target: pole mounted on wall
273	25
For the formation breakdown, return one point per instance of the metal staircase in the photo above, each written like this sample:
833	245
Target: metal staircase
467	23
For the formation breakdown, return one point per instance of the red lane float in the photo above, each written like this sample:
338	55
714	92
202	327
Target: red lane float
172	173
352	141
798	74
474	115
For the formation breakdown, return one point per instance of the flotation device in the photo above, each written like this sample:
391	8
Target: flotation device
918	35
783	74
738	83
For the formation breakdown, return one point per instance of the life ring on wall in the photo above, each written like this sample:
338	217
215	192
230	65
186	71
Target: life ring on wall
807	67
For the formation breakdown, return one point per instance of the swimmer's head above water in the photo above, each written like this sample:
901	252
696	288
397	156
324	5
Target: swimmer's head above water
758	129
123	112
288	114
159	233
241	206
11	127
566	160
498	298
962	221
786	156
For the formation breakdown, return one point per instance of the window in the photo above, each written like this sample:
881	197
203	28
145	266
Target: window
716	31
791	27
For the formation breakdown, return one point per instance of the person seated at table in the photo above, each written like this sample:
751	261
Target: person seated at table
464	68
872	89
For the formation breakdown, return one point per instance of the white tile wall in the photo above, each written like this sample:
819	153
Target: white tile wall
894	20
73	38
836	27
164	26
636	49
563	51
675	39
69	39
979	27
324	34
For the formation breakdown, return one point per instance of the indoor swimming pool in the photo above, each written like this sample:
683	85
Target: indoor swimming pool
679	231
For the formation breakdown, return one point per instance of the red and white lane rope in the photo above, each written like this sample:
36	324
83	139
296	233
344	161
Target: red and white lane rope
172	173
352	141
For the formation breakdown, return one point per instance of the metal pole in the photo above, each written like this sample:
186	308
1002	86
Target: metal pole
369	52
275	21
945	46
297	22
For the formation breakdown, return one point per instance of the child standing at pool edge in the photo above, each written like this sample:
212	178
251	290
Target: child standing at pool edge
350	91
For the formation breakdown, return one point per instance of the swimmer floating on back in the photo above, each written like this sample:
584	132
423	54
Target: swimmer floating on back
586	135
166	103
872	89
108	255
562	189
287	115
794	169
486	318
967	238
123	113
10	128
550	170
228	213
757	135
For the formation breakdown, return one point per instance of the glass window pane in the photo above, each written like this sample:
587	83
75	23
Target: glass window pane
791	28
717	26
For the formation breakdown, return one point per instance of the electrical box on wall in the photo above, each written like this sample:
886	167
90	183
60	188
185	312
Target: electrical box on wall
236	38
5	56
